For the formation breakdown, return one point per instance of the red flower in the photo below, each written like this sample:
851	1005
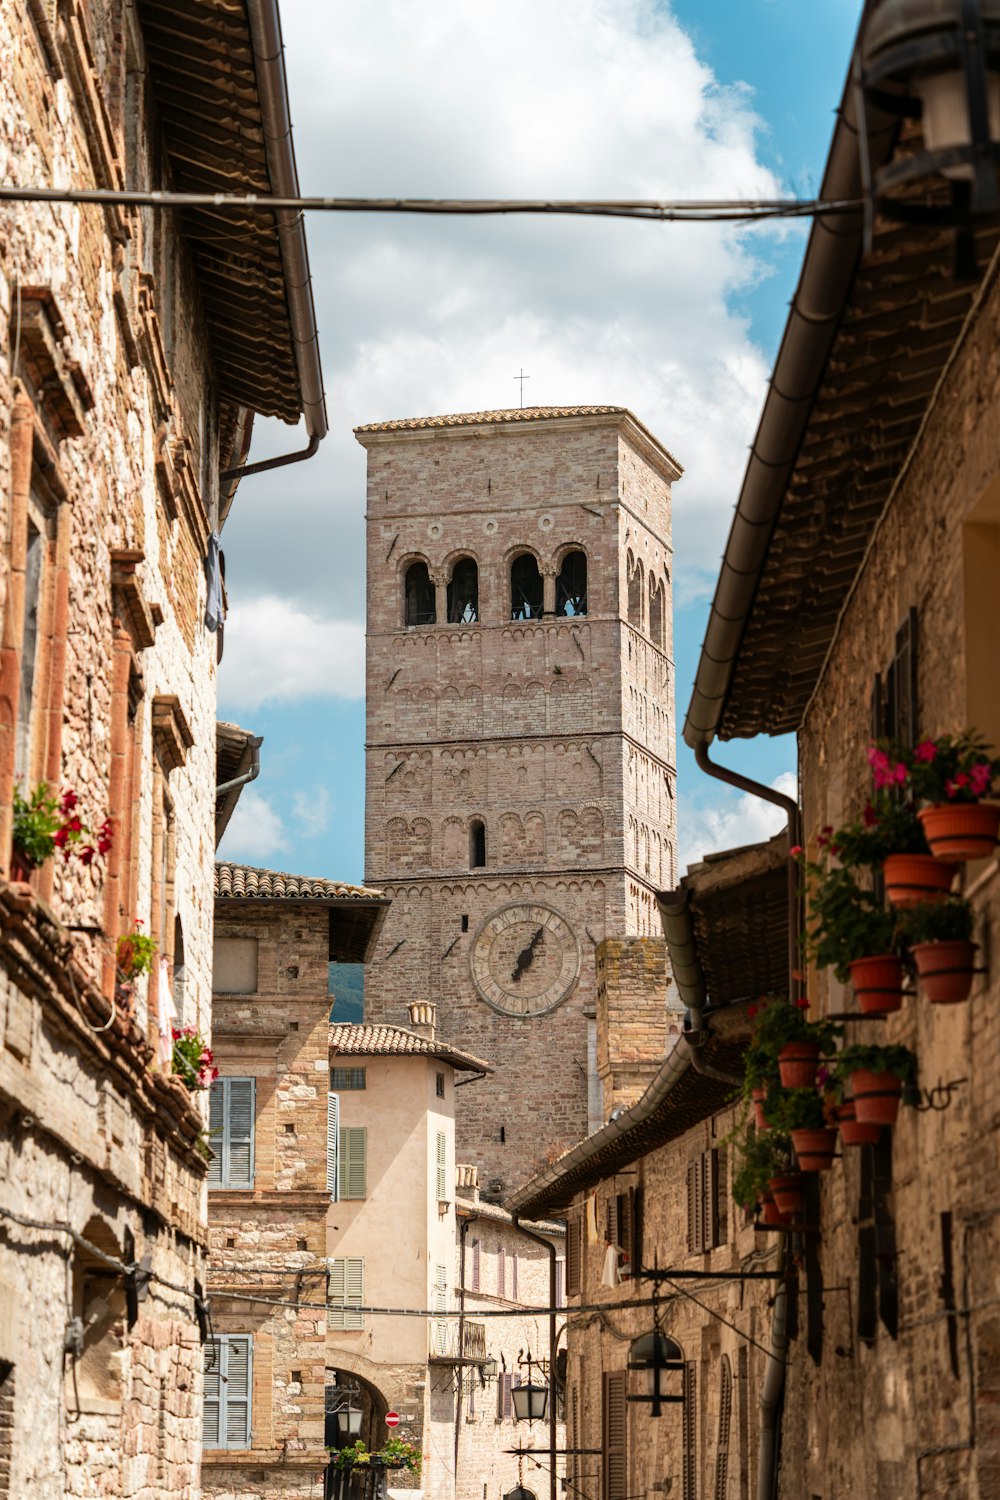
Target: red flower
69	801
59	838
87	854
802	1003
869	816
795	851
926	751
751	1011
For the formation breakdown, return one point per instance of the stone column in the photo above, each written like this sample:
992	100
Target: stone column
548	571
440	581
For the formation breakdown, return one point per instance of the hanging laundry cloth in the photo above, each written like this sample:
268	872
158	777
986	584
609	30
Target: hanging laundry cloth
610	1275
166	1016
214	614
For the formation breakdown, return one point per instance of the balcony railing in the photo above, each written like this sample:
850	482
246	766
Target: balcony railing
449	1347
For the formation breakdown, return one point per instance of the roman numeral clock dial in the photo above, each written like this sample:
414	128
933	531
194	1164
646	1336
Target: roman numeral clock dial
525	960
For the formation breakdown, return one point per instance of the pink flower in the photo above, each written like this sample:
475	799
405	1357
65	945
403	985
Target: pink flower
926	751
795	851
980	777
869	816
897	774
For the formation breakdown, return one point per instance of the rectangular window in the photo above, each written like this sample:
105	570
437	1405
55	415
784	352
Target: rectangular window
505	1404
228	1391
345	1079
614	1436
333	1146
620	1228
574	1256
353	1165
234	966
705	1227
346	1296
231	1132
439	1085
475	1265
441	1166
501	1272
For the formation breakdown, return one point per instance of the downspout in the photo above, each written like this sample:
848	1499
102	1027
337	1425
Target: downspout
771	1399
263	465
463	1230
255	741
791	809
548	1245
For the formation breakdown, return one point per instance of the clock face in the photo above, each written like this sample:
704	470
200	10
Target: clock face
525	960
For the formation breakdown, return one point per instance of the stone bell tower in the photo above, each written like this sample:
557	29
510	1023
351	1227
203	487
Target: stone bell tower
520	800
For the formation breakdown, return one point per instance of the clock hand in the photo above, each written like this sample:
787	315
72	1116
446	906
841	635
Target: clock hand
526	956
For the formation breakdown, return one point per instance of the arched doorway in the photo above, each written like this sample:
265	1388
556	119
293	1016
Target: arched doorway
348	1393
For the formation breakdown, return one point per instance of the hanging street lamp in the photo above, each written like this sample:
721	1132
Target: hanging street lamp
530	1400
654	1356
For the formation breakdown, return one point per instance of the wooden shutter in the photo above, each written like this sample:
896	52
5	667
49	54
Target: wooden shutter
613	1437
513	1275
332	1145
689	1482
560	1280
441	1162
695	1218
636	1201
710	1199
237	1135
237	1385
501	1273
721	1490
475	1265
353	1162
211	1425
216	1128
346	1295
901	684
574	1246
505	1405
574	1427
611	1221
441	1307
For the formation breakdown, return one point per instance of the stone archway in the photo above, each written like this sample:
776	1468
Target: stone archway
347	1387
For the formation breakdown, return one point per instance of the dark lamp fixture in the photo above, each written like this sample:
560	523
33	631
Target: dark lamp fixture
530	1402
520	1493
937	61
654	1357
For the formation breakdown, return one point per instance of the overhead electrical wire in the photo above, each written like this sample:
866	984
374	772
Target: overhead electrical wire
681	210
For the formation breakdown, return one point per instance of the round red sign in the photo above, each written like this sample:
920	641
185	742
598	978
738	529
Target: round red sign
392	1419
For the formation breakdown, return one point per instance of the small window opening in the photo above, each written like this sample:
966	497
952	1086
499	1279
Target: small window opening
571	585
477	844
465	921
289	1129
180	973
420	606
302	1244
439	1085
526	588
463	593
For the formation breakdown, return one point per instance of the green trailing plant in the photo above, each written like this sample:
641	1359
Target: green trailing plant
797	1109
192	1059
948	921
899	1061
845	921
887	825
780	1022
951	768
44	823
760	1155
135	952
397	1453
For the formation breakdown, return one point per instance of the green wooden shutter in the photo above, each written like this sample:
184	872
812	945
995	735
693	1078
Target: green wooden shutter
346	1295
353	1162
216	1129
442	1163
332	1145
237	1161
213	1385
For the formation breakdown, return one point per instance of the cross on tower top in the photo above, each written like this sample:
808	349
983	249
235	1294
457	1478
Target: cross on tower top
522	378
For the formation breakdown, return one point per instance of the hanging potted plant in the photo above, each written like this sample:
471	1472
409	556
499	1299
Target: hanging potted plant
912	874
795	1042
763	1175
940	938
852	933
803	1115
44	823
875	1076
852	1131
760	1072
952	776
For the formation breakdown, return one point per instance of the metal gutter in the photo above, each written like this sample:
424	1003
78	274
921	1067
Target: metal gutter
272	84
831	259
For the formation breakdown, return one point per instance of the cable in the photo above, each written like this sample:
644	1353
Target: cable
683	1292
722	210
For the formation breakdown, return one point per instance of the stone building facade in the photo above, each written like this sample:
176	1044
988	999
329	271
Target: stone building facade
270	1182
125	410
520	762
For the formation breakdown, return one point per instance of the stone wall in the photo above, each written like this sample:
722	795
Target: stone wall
632	1018
557	734
909	1411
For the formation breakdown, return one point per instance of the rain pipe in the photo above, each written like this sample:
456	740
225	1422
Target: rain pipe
771	1398
254	742
550	1247
269	66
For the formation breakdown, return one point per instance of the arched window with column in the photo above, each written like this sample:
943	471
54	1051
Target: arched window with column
419	596
477	844
571	585
527	593
657	592
463	593
634	571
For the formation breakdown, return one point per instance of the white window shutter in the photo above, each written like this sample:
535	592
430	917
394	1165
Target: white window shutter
332	1145
441	1307
237	1400
442	1165
213	1385
353	1174
335	1294
237	1161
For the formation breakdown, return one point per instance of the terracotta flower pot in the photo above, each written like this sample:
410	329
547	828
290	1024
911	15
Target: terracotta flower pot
770	1213
21	867
878	983
851	1133
814	1148
787	1192
876	1097
912	878
797	1065
961	830
945	970
758	1096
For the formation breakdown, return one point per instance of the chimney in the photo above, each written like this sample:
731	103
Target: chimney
467	1182
423	1018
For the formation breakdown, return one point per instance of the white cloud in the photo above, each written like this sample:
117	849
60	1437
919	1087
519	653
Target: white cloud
311	810
276	651
730	821
255	830
548	98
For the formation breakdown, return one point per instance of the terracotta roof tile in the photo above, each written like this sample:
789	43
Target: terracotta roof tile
349	1040
247	882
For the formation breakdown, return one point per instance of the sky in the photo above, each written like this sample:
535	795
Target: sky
680	323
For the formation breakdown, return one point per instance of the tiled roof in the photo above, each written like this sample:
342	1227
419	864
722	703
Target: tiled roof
247	882
348	1040
512	414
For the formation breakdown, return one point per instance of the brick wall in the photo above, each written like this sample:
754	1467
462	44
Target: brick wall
632	1017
